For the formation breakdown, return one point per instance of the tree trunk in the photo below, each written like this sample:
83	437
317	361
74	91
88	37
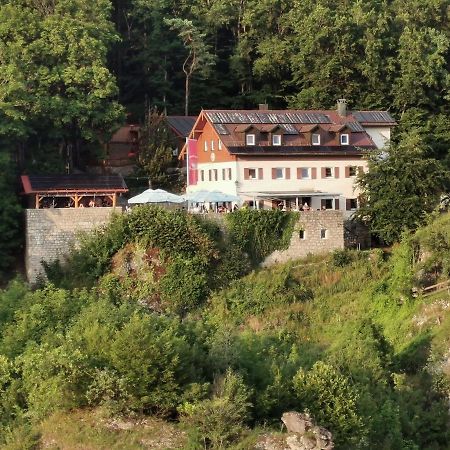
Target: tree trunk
186	97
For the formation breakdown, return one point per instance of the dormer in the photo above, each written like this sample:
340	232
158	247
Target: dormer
272	134
313	133
342	133
251	133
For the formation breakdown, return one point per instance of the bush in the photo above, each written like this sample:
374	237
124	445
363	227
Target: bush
260	232
333	402
219	421
341	258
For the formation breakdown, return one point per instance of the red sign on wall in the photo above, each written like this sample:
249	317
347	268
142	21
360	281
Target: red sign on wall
192	162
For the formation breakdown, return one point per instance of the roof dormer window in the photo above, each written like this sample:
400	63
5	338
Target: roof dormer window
276	139
250	139
345	139
315	139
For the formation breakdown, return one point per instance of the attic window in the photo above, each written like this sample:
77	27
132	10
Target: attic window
315	139
344	139
250	139
276	139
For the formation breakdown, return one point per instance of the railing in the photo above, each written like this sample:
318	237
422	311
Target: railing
429	290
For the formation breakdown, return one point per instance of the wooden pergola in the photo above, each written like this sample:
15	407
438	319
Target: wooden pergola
73	187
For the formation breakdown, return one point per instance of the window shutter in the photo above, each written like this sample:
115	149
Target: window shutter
323	203
322	172
260	174
299	173
360	170
336	172
336	203
314	173
274	174
288	173
246	174
348	204
347	171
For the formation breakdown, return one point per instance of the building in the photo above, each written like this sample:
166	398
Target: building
272	158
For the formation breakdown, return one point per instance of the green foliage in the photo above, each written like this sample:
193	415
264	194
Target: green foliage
156	145
54	81
341	258
260	232
220	420
400	188
10	222
332	400
258	292
184	286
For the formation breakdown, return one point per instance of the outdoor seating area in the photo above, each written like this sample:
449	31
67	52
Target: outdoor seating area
73	191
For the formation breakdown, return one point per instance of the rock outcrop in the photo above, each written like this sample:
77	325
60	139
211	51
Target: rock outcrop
303	434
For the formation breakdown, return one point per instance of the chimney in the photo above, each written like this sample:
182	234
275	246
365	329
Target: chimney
263	107
342	107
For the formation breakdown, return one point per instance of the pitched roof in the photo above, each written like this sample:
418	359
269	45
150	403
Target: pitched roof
181	125
73	183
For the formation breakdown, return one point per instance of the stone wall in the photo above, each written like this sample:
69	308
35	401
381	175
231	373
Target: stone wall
50	233
316	232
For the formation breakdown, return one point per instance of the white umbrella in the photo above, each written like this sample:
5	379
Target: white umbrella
156	196
211	197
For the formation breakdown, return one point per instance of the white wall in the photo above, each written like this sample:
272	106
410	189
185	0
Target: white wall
343	186
227	186
380	135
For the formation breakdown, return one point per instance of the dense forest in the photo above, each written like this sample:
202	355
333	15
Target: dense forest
143	327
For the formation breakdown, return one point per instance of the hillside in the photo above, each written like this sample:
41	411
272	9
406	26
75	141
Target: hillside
161	317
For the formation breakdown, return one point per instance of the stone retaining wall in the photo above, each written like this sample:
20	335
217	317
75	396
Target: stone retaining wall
50	233
316	232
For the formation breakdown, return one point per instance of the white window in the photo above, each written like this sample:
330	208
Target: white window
306	172
344	139
302	235
212	146
250	139
276	139
279	173
219	146
323	233
252	174
229	173
315	139
328	172
352	171
206	146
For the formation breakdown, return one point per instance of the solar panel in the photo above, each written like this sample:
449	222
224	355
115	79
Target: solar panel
373	116
289	128
76	181
355	126
221	129
225	117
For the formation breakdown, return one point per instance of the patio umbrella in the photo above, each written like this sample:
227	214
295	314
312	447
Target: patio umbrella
211	197
156	196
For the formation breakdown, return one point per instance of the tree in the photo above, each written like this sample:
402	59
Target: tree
199	58
9	214
156	144
55	87
401	186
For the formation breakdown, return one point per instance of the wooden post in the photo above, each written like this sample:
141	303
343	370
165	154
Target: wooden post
114	200
37	201
77	199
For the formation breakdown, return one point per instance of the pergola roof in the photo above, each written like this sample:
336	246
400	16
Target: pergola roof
54	184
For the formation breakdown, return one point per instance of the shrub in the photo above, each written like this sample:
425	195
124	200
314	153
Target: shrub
260	232
219	421
341	258
333	402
